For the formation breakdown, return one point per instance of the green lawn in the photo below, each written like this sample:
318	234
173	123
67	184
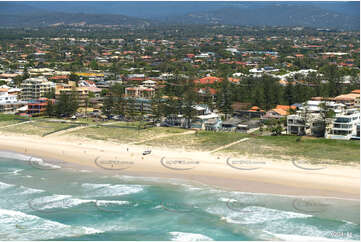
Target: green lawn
40	128
124	133
310	148
8	119
202	140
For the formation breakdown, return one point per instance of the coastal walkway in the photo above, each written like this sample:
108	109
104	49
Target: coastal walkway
228	145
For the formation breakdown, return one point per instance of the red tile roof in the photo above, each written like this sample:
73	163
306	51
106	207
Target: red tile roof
59	77
212	91
208	80
285	107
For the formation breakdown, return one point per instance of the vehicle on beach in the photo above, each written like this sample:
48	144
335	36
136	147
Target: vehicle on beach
147	152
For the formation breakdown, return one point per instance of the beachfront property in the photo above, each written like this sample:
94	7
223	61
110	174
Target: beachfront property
38	107
298	124
230	124
83	93
35	88
244	110
204	119
209	121
345	126
9	102
138	105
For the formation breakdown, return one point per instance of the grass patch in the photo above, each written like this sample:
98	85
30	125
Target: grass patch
119	132
339	151
39	127
8	119
202	140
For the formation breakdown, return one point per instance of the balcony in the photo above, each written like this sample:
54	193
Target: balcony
295	122
342	126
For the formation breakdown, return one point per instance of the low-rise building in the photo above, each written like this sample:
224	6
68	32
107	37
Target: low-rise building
278	112
200	121
351	100
37	107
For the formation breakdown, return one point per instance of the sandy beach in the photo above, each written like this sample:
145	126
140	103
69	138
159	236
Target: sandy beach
242	174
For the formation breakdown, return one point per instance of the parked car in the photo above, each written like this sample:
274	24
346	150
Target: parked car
147	152
164	124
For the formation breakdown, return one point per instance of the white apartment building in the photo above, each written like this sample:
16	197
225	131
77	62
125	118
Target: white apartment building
9	103
35	88
344	126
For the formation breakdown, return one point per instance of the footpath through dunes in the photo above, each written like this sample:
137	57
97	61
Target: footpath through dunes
228	145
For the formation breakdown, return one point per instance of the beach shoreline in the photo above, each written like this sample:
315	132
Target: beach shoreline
257	176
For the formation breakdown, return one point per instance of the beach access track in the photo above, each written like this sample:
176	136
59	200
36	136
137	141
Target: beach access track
228	145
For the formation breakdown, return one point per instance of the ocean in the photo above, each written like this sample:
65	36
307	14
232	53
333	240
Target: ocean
47	200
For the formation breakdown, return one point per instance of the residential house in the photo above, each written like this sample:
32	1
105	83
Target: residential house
208	80
231	124
279	112
149	83
212	120
351	100
213	124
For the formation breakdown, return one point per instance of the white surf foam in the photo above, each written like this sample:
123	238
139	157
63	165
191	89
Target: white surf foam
4	186
290	237
27	190
106	202
34	160
57	201
13	155
37	162
254	215
181	236
106	190
16	225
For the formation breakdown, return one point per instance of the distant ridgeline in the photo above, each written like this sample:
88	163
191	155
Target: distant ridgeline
341	16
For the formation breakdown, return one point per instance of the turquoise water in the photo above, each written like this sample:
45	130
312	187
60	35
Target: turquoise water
61	202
